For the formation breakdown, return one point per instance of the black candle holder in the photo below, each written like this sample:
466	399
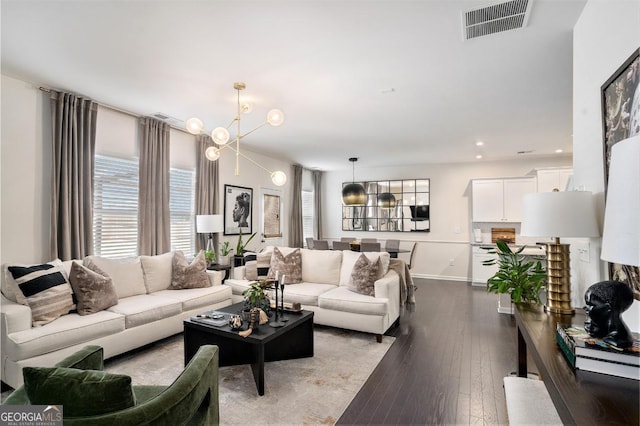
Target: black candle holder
282	302
275	323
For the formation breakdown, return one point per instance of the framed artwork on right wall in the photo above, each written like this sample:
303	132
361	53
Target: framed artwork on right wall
621	120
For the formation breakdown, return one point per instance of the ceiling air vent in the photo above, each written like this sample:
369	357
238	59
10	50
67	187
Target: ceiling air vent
496	18
172	121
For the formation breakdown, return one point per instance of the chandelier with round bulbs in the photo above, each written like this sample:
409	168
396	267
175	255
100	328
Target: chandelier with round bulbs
221	136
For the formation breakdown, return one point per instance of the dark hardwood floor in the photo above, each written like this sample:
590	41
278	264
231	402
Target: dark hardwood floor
446	365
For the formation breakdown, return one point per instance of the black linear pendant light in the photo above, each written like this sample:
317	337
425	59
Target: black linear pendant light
353	194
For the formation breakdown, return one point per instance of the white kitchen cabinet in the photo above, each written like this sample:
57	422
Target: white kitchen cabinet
550	179
499	200
480	273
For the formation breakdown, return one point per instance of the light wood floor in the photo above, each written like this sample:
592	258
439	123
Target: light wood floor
446	365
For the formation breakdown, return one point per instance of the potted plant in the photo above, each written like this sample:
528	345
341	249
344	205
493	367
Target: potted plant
240	249
256	297
210	257
225	251
523	280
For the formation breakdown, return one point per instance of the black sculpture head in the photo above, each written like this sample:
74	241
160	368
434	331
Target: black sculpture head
606	301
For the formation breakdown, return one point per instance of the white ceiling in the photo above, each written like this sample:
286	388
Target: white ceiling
391	82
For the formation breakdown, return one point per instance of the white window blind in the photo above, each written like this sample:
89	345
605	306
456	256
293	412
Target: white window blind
182	208
307	215
115	207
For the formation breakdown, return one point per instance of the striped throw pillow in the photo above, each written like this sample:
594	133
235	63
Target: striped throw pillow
258	269
46	290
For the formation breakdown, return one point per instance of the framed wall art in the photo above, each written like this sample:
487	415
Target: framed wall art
238	210
271	216
621	120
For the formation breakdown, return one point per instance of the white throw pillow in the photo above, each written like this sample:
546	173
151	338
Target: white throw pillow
157	271
321	266
349	259
126	274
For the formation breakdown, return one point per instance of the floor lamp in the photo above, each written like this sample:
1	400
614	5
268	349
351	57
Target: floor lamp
621	231
559	214
209	224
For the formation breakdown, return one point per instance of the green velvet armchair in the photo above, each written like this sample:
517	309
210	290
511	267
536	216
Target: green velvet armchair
192	399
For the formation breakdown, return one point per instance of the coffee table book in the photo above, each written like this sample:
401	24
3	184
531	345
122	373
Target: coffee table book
584	352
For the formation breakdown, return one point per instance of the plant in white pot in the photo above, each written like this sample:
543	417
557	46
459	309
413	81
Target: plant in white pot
225	253
522	279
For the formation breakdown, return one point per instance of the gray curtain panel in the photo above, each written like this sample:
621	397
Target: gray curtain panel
317	202
154	221
206	188
296	230
73	123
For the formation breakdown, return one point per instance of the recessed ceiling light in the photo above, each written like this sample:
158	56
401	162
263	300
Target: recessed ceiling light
479	156
559	151
479	143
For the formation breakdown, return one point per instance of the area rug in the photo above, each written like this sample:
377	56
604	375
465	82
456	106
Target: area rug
307	391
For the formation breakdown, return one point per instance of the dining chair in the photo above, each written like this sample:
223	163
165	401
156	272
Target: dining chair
366	246
320	245
341	245
392	245
368	240
347	239
309	241
410	257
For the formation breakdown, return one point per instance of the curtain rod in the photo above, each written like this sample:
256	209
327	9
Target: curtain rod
116	109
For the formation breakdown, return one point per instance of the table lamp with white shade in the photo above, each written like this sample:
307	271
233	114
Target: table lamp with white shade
209	224
621	246
559	214
621	231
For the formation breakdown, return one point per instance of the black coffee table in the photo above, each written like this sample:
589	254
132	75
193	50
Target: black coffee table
293	340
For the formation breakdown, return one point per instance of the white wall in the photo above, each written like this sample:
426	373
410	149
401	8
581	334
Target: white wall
450	211
25	182
25	173
605	35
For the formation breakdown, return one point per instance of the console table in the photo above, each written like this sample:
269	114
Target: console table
580	397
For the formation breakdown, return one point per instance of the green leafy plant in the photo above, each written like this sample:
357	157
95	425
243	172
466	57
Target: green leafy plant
224	249
522	280
256	297
210	256
242	245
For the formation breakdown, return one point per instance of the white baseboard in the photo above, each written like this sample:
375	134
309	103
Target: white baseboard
440	277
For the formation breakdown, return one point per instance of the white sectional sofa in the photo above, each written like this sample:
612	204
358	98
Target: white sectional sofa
325	275
146	310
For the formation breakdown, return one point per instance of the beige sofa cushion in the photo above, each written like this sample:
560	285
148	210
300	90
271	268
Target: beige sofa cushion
126	274
321	266
305	293
192	298
157	271
68	330
345	300
349	259
143	309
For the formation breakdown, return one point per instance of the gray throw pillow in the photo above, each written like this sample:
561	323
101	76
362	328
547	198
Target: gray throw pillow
289	265
185	275
92	287
363	275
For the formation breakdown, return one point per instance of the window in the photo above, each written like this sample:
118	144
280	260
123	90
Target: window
181	209
115	208
307	215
